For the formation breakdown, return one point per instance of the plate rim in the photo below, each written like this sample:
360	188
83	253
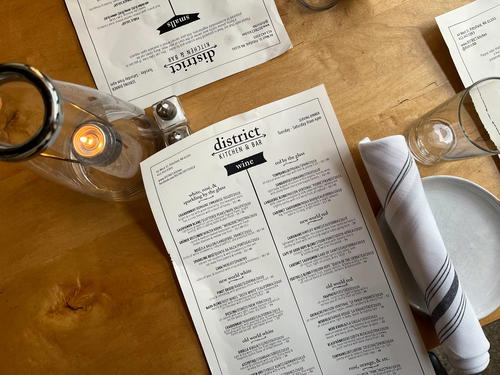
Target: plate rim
464	181
477	189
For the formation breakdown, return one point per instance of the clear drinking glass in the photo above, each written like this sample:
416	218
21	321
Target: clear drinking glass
74	135
464	126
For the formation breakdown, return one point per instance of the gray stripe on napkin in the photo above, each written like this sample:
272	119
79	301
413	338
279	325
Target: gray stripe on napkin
446	302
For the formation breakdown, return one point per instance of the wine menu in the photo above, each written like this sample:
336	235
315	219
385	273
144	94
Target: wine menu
276	248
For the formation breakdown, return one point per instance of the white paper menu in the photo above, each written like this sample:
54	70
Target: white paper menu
276	248
472	34
143	51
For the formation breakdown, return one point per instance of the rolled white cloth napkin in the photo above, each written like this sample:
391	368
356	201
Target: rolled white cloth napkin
397	182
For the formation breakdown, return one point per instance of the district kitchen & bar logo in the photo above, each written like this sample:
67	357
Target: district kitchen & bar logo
178	20
195	55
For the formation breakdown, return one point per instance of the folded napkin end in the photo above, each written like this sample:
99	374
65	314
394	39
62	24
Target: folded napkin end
469	366
398	139
364	140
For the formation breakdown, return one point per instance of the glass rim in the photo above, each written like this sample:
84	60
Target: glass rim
331	4
53	115
464	95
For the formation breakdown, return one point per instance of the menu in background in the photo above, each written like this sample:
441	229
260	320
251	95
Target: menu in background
276	248
145	51
472	34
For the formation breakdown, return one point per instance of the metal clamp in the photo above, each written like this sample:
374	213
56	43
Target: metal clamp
171	119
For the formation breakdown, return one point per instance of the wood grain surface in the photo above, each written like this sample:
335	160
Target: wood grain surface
86	286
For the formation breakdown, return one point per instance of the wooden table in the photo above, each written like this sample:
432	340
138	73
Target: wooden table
86	286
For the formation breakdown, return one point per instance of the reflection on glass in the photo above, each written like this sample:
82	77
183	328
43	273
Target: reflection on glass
87	140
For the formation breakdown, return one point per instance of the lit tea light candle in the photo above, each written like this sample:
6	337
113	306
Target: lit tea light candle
95	144
89	141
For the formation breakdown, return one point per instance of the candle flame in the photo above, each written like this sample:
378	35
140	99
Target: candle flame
89	141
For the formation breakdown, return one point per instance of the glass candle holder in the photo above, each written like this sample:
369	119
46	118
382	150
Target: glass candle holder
77	136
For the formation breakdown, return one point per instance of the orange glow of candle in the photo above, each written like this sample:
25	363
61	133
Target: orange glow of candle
89	141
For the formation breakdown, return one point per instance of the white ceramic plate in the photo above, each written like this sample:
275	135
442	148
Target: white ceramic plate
468	218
